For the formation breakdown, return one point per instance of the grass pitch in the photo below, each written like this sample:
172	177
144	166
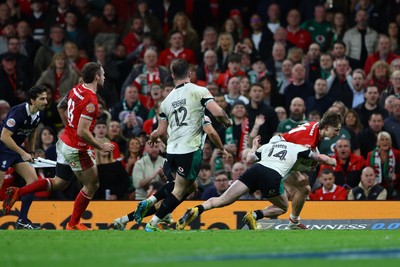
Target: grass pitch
200	248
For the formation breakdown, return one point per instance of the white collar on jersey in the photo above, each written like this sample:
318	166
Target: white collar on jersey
33	115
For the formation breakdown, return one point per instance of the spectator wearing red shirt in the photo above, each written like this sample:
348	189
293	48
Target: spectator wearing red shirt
232	71
133	39
329	190
176	50
349	166
382	54
299	37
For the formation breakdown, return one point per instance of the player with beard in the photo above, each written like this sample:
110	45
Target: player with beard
75	154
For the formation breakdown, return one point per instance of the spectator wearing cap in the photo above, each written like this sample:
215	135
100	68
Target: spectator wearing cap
232	71
258	70
176	49
14	82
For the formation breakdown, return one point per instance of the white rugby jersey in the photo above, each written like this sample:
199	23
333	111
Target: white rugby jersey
280	155
184	108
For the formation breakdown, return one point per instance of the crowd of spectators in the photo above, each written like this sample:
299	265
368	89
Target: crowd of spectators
271	65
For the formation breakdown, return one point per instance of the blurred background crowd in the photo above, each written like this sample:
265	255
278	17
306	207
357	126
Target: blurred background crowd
271	65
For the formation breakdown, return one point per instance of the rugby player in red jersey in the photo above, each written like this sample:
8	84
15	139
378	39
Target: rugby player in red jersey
296	183
308	134
75	153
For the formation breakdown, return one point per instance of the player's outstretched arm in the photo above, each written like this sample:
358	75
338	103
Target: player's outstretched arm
324	159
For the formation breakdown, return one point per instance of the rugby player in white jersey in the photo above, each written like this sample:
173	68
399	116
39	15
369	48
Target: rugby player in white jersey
181	116
277	159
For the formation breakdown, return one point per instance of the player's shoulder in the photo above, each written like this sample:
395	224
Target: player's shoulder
19	110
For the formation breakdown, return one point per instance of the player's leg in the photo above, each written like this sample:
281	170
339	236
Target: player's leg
145	207
297	188
2	176
171	201
82	164
271	185
233	193
26	171
90	180
186	167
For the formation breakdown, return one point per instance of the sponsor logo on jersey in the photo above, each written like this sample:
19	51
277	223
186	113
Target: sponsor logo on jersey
3	164
10	122
180	169
90	108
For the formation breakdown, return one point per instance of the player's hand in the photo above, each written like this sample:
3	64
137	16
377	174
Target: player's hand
227	123
224	153
107	147
333	162
27	157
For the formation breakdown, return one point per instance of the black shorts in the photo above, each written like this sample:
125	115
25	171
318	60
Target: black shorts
186	165
8	158
259	177
64	171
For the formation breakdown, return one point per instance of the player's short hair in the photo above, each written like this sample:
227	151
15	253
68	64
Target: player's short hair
34	92
89	71
180	69
330	118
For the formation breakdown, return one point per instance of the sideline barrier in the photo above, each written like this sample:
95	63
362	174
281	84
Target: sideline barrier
100	214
